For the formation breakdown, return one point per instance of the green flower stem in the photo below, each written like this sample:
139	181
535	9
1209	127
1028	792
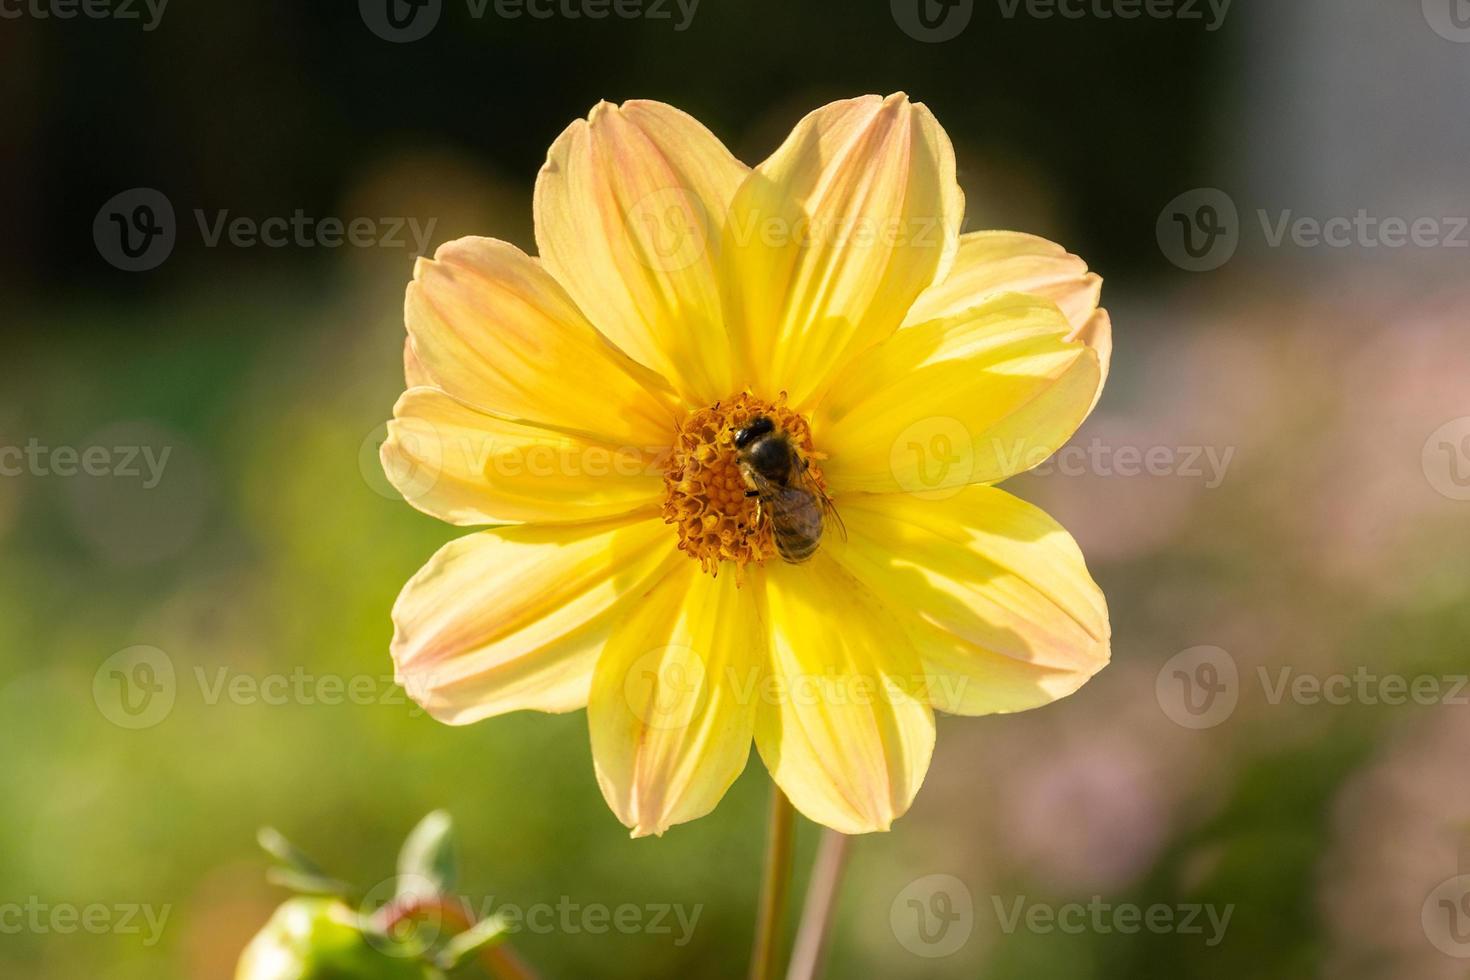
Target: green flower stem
775	887
809	955
498	961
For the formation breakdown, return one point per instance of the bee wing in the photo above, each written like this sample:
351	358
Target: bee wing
829	509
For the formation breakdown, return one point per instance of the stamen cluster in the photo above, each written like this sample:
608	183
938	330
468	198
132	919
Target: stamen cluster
706	495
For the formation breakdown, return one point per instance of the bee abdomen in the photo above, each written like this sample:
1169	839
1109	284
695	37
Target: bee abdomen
796	525
796	550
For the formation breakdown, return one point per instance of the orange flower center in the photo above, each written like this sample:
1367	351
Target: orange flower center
707	498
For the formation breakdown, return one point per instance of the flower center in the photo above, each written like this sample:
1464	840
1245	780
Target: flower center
708	499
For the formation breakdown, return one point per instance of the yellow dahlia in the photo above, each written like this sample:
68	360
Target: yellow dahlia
585	405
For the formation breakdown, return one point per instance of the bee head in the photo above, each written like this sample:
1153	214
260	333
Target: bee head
759	426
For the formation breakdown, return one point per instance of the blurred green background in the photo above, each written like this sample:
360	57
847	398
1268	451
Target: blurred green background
1332	543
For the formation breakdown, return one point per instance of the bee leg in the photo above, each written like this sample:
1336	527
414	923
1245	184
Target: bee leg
752	493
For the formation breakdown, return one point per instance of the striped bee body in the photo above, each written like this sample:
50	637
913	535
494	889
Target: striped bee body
788	497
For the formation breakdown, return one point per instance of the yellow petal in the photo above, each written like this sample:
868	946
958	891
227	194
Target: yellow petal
1006	616
513	618
415	375
673	700
1097	332
993	262
492	328
843	725
832	238
629	211
973	398
466	467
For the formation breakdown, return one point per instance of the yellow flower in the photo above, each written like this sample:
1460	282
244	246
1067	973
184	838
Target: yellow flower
586	403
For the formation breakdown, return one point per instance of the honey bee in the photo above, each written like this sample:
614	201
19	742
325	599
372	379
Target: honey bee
780	478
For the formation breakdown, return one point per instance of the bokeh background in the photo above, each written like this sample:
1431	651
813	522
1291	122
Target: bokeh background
1329	384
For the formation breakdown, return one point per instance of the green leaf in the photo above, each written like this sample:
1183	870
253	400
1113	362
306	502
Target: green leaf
427	862
483	934
274	843
306	883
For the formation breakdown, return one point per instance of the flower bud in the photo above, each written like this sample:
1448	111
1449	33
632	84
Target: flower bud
321	939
